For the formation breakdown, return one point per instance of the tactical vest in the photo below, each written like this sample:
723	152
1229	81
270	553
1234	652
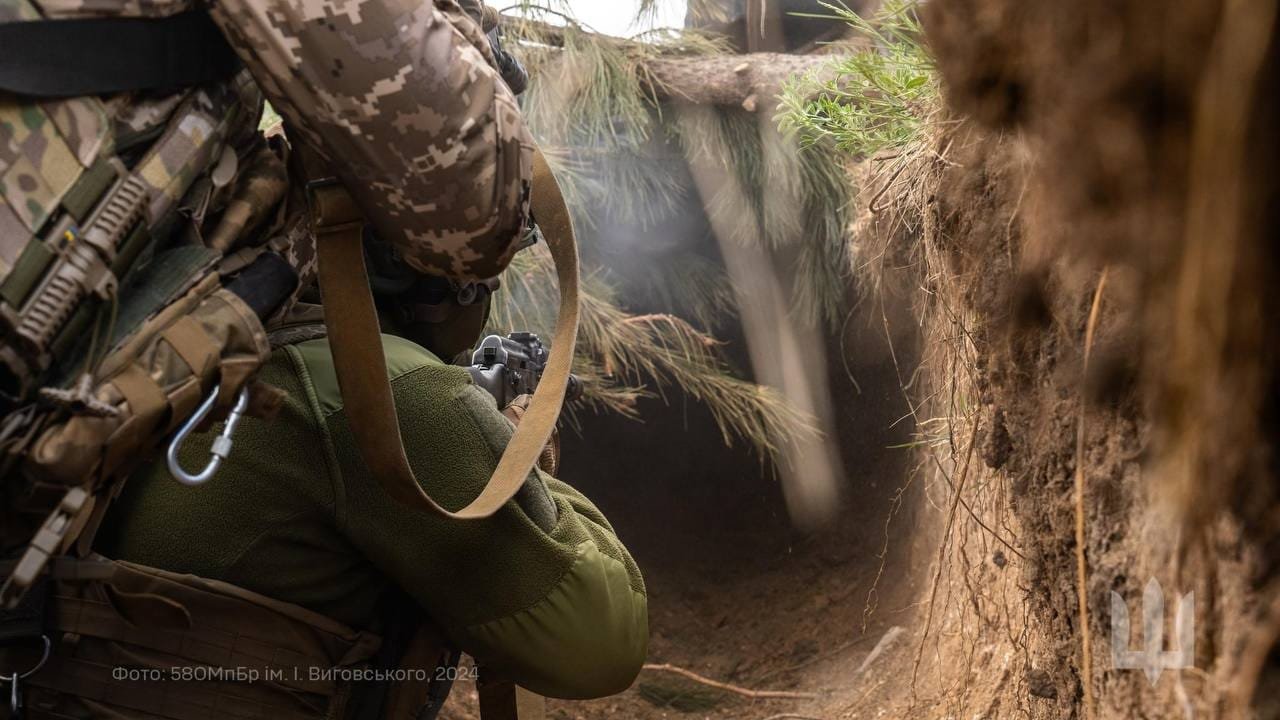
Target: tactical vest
142	242
148	644
137	233
142	239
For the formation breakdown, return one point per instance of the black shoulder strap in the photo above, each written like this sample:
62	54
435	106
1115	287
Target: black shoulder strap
97	56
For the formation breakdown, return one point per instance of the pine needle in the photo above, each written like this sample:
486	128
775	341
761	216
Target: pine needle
623	357
592	108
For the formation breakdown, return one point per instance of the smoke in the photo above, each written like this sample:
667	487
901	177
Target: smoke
787	352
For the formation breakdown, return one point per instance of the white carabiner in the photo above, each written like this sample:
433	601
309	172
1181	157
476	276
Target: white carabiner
221	444
15	680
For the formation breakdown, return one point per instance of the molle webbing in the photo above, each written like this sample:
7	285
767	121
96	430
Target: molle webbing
99	56
153	621
207	338
88	218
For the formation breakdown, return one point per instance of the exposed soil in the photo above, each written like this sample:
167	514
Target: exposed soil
736	594
1085	297
1111	161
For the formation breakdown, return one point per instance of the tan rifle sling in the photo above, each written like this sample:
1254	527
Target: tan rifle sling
356	343
504	700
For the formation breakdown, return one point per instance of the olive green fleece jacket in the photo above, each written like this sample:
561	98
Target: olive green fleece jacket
294	514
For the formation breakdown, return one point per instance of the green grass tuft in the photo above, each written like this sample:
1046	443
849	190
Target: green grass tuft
877	99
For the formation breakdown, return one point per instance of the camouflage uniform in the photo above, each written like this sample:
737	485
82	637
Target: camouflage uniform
401	97
401	102
198	171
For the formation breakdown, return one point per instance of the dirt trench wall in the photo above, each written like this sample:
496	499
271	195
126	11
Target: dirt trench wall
1117	156
1152	135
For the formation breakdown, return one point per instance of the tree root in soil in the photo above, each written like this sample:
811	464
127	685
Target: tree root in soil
1082	570
736	689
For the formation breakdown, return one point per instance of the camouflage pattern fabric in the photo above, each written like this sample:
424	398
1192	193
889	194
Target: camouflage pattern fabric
258	189
401	98
185	150
44	147
137	119
197	155
67	9
39	163
153	383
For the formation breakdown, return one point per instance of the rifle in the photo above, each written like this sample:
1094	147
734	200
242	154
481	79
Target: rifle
511	366
511	69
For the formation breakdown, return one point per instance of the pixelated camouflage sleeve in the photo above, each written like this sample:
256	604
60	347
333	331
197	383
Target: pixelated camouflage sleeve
401	98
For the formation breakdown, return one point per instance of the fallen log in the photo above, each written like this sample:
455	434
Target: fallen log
708	79
727	79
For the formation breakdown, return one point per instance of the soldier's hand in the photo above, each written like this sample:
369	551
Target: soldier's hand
549	462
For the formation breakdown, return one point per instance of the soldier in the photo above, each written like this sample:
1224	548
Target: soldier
543	591
294	559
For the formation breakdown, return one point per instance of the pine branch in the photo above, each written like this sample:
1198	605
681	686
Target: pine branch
685	69
601	107
622	356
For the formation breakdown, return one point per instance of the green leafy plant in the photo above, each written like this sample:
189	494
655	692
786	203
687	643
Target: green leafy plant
880	106
879	98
